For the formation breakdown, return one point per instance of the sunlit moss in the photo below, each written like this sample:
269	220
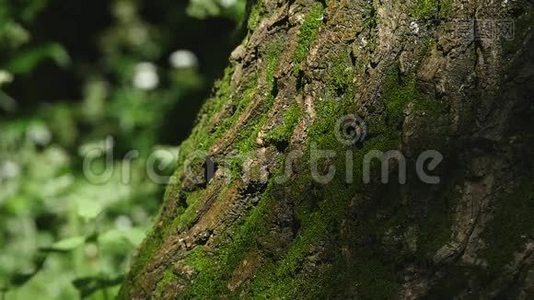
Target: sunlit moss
307	34
256	13
283	132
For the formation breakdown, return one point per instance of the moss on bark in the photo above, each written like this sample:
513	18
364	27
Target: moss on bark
304	66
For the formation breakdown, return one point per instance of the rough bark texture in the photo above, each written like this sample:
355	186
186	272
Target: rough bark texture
410	70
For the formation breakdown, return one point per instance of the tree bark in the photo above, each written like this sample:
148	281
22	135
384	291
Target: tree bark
251	211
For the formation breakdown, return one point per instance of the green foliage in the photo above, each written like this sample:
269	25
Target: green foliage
82	236
61	236
233	9
26	61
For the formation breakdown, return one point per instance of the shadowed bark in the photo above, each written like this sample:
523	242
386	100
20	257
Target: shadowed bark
251	211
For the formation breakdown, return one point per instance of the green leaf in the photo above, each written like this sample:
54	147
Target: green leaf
203	8
32	9
65	245
89	208
20	279
231	9
28	60
89	285
134	236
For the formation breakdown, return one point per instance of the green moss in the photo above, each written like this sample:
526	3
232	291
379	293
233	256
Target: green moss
242	100
214	270
200	139
307	34
374	278
445	8
512	223
207	283
149	246
319	216
186	216
340	75
426	8
319	209
256	13
245	141
283	132
398	91
322	131
168	278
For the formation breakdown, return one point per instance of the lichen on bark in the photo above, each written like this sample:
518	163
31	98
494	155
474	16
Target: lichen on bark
406	69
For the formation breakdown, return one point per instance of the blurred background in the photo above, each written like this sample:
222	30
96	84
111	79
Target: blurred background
73	75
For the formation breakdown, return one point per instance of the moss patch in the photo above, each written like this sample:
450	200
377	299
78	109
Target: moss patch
307	34
340	75
290	119
214	270
163	284
398	92
256	13
187	215
433	9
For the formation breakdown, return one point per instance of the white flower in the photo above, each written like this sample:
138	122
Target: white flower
5	77
227	3
182	59
145	76
9	169
39	134
123	222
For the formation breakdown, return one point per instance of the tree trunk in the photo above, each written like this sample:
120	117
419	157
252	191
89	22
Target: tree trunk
318	86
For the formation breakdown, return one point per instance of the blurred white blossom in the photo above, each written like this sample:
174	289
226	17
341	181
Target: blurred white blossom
181	59
145	76
9	169
39	134
123	222
5	77
228	3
